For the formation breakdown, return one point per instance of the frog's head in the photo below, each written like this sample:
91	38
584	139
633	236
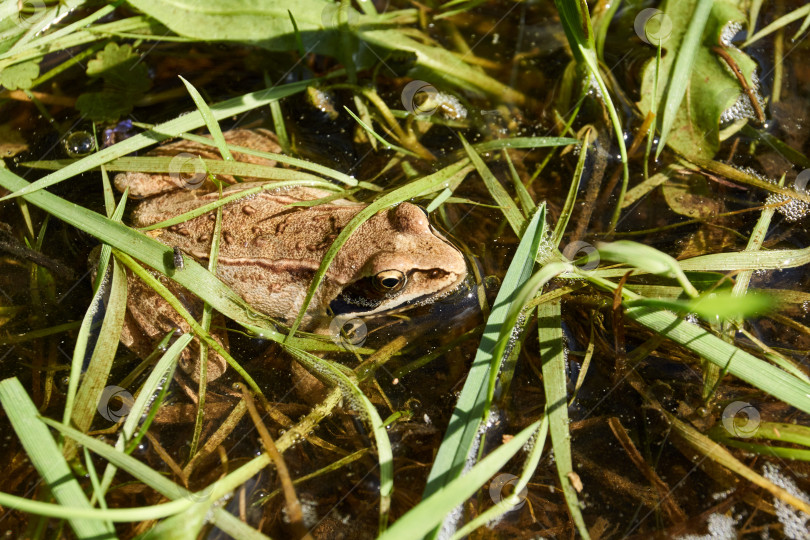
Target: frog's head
409	262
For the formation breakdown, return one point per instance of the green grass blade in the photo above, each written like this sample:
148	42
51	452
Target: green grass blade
472	403
648	259
423	186
510	210
358	399
682	69
95	377
737	362
161	132
781	22
235	527
46	457
549	329
523	142
430	512
162	372
570	199
210	122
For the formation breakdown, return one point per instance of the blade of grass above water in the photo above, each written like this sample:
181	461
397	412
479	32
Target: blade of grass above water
163	164
94	378
472	404
210	122
159	256
186	122
163	370
283	158
524	142
433	508
737	362
510	210
46	457
682	69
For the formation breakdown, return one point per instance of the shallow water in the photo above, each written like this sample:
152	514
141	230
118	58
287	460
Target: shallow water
639	478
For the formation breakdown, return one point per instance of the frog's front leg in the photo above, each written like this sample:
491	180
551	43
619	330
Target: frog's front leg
149	318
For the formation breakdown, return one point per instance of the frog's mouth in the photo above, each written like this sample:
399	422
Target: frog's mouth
363	298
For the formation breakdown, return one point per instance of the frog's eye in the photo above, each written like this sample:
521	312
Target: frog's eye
389	281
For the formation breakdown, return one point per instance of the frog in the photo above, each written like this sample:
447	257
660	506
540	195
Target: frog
272	243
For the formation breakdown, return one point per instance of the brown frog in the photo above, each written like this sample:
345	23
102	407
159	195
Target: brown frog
270	250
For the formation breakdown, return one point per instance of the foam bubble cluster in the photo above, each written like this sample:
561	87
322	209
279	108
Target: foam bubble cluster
795	523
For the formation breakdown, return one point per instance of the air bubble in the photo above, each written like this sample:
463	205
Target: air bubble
79	143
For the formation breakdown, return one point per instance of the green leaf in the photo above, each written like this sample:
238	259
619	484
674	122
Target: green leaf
737	362
646	258
20	75
504	200
126	79
724	305
698	83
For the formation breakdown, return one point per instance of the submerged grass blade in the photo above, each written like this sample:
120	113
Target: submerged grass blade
549	329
